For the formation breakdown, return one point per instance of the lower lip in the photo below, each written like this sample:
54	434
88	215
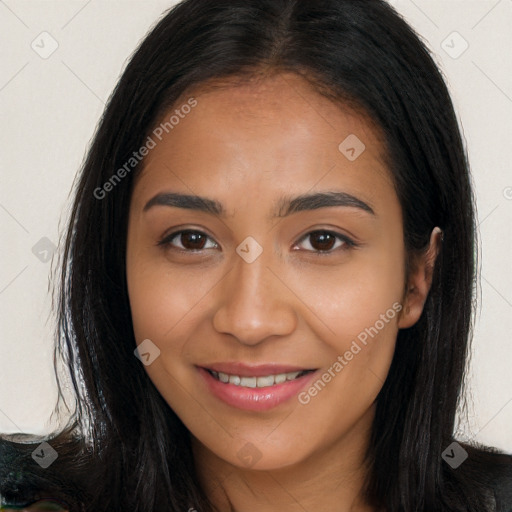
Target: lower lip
255	399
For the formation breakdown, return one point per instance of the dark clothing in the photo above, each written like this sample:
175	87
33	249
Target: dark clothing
70	480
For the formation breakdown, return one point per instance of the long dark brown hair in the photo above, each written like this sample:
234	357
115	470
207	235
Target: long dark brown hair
130	450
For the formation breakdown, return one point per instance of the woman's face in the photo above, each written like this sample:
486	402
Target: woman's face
291	258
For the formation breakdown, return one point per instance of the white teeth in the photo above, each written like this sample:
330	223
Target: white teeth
253	382
262	382
235	379
279	379
248	382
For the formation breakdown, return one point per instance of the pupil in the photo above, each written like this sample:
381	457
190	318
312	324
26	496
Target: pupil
192	240
324	241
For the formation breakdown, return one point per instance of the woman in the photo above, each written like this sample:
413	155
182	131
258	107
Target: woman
267	282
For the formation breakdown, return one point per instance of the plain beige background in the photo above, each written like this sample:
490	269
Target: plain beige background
59	63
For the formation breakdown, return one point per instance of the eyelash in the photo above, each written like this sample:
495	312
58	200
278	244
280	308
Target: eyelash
165	242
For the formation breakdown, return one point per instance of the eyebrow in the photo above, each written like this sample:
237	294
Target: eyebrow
285	206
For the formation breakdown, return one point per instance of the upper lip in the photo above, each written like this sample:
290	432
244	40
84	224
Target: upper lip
247	370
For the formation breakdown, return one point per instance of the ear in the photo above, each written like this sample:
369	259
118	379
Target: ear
419	282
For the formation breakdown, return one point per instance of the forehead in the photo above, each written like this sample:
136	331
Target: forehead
280	99
277	127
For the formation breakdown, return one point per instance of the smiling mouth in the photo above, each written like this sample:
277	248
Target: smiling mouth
257	382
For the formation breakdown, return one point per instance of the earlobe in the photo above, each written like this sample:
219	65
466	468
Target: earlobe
420	281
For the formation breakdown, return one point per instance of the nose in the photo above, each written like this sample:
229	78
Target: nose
254	304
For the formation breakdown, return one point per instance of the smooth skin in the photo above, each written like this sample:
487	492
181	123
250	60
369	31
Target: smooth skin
302	301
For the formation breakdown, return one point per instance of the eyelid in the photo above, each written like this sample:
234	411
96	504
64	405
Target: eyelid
166	239
347	241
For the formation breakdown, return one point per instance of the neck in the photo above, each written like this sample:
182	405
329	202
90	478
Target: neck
329	479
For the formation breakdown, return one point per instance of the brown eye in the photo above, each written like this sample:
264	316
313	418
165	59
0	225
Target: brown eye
322	241
192	240
325	241
188	240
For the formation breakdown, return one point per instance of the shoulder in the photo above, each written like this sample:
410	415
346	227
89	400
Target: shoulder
36	468
498	467
490	471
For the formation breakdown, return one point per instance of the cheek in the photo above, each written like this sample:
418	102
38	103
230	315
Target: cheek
162	300
356	316
351	298
165	308
360	309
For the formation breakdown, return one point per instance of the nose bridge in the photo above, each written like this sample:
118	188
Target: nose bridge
252	280
254	304
252	285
